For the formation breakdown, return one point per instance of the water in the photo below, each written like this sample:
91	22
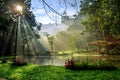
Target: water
57	60
47	60
60	60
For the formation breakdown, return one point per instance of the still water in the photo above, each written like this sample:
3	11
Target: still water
59	60
47	60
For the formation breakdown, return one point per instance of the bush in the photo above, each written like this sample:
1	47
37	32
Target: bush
83	65
19	61
69	64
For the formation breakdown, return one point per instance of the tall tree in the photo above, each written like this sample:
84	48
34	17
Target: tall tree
101	17
8	24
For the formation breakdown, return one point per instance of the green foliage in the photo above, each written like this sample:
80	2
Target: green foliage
39	26
4	61
71	40
113	49
66	39
101	17
8	23
37	72
87	65
37	35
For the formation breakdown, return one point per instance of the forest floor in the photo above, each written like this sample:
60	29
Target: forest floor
48	72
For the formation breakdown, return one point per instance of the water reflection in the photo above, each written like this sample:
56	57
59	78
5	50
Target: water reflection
60	60
57	60
47	60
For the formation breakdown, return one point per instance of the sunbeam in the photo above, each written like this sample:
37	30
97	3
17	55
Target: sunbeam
37	46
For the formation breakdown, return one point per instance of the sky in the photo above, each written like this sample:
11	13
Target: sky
42	17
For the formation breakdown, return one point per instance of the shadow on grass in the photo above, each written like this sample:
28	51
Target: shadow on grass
94	68
101	65
106	67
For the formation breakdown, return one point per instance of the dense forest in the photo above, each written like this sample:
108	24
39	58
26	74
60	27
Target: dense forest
85	46
101	19
96	23
97	20
9	21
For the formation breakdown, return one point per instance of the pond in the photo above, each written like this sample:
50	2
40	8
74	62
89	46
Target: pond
47	60
59	60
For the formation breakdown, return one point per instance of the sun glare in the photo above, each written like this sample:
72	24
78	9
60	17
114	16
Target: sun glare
19	8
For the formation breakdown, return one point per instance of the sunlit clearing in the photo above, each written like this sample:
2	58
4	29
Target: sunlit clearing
19	8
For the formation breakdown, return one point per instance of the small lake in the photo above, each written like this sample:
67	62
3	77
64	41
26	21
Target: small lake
60	60
47	60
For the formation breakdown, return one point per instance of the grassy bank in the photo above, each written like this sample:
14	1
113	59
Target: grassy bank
37	72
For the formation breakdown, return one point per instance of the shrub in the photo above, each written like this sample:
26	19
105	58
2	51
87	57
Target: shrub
106	65
69	64
83	65
19	61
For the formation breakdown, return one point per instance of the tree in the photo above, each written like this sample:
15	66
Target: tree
8	16
50	41
62	4
101	17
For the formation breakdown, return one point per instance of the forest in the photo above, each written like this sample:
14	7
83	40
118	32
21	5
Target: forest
90	41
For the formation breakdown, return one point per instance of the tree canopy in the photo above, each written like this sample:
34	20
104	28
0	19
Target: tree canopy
101	17
8	18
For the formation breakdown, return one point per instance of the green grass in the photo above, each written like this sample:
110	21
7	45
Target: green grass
37	72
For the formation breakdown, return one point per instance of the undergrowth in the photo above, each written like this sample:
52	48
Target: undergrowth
39	72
